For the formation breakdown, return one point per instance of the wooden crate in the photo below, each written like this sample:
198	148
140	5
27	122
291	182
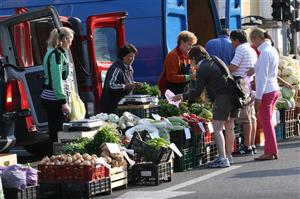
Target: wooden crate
7	159
119	177
63	136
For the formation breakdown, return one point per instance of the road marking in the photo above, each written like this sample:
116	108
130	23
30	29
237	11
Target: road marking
201	178
170	192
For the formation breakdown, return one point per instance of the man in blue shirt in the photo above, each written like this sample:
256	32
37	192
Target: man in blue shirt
221	47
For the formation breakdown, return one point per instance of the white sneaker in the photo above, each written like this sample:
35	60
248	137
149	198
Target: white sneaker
230	159
219	162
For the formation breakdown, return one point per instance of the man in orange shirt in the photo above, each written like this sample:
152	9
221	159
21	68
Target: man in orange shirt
177	71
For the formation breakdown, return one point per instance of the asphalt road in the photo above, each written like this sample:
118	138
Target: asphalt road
246	179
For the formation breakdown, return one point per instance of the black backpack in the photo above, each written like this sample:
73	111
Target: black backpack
238	95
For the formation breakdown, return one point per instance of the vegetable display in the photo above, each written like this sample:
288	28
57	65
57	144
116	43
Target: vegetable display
68	159
157	143
146	89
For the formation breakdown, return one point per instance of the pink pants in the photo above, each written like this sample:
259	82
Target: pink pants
265	112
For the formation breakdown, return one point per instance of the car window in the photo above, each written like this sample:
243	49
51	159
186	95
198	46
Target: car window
105	41
30	41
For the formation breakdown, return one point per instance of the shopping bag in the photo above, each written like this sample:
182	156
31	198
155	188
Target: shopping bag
77	106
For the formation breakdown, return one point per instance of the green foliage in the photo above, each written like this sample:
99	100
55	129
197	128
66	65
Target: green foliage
146	89
168	110
77	146
106	133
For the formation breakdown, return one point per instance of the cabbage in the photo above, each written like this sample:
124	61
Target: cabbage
292	80
287	71
283	104
287	93
283	64
292	102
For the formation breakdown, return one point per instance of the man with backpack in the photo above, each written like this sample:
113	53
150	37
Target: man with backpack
245	57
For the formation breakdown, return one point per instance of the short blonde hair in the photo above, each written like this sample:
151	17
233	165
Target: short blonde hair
257	33
186	36
56	36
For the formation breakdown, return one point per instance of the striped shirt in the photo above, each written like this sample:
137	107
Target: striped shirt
245	57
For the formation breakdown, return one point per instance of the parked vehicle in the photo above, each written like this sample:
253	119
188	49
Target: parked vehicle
23	44
152	26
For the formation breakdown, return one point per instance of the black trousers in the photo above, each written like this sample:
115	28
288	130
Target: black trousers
56	118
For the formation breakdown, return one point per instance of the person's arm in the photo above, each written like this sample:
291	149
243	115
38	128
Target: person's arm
232	67
236	61
284	83
56	78
261	74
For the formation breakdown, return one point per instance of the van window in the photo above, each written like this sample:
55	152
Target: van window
105	41
30	41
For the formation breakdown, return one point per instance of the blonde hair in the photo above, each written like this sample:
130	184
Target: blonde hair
261	34
56	36
186	36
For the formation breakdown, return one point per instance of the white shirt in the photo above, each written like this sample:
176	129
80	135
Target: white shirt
266	70
244	58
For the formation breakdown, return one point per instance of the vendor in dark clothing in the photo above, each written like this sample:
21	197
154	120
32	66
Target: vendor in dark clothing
119	79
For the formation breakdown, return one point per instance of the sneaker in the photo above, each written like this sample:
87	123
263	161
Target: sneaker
243	151
230	159
254	149
219	163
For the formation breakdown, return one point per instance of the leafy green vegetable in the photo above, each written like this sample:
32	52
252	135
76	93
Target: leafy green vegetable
106	133
77	146
168	110
146	89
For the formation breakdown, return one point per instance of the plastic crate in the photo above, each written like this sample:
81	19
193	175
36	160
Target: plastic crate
287	115
210	154
288	129
279	131
29	192
208	138
46	173
141	112
88	173
64	172
150	174
149	153
198	143
237	143
74	190
179	139
186	162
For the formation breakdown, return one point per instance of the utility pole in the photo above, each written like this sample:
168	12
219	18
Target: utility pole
295	18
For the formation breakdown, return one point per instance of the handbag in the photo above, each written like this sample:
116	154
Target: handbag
238	95
78	110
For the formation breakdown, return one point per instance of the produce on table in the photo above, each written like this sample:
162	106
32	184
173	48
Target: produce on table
146	89
157	143
106	133
68	159
286	100
77	146
289	70
168	110
115	159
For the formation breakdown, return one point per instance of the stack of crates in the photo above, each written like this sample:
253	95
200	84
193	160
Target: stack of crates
287	118
184	143
297	121
238	137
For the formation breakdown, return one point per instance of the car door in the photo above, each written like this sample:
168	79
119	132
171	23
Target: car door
105	34
23	41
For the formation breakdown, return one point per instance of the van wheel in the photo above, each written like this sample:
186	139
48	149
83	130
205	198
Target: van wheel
40	149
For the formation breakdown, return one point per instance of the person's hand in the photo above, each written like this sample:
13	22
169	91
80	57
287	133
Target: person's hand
177	97
139	84
65	108
250	72
193	76
130	86
257	104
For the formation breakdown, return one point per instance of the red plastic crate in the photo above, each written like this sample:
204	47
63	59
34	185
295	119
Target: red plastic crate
64	172
208	138
46	173
88	173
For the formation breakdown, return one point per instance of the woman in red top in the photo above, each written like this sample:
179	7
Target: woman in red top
176	72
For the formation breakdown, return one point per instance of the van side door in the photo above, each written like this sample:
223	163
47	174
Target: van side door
105	34
23	38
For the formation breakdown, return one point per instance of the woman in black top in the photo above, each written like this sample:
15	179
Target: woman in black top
209	75
119	79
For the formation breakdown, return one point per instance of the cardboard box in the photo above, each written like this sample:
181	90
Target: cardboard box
7	159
